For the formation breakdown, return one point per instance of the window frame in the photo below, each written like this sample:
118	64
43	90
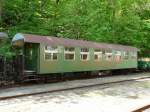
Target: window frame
108	53
99	53
69	52
56	50
82	52
117	53
126	55
133	55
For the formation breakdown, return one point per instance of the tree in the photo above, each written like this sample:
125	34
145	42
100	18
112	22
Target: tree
121	22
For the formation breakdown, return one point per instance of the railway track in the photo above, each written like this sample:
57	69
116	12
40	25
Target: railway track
12	84
142	108
70	88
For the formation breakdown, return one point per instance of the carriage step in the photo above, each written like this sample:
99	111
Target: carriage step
30	77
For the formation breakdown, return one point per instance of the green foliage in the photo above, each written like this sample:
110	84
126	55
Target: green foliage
113	21
5	49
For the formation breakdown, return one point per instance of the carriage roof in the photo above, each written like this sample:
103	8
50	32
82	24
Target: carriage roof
56	41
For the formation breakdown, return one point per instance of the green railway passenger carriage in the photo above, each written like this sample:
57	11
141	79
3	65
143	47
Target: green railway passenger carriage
46	55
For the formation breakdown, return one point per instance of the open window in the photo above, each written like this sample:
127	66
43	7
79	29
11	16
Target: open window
97	54
51	53
84	54
108	55
69	53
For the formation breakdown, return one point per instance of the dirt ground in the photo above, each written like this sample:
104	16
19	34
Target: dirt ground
119	97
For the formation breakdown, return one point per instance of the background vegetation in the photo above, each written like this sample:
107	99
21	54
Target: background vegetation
113	21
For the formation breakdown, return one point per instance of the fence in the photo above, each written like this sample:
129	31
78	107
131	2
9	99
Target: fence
11	70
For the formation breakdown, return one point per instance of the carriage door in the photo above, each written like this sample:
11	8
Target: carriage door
31	56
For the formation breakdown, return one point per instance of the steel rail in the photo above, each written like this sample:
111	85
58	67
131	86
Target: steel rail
142	108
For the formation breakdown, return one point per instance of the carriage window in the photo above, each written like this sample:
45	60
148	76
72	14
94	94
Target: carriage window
134	55
108	55
51	53
69	53
126	55
84	54
97	54
117	56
